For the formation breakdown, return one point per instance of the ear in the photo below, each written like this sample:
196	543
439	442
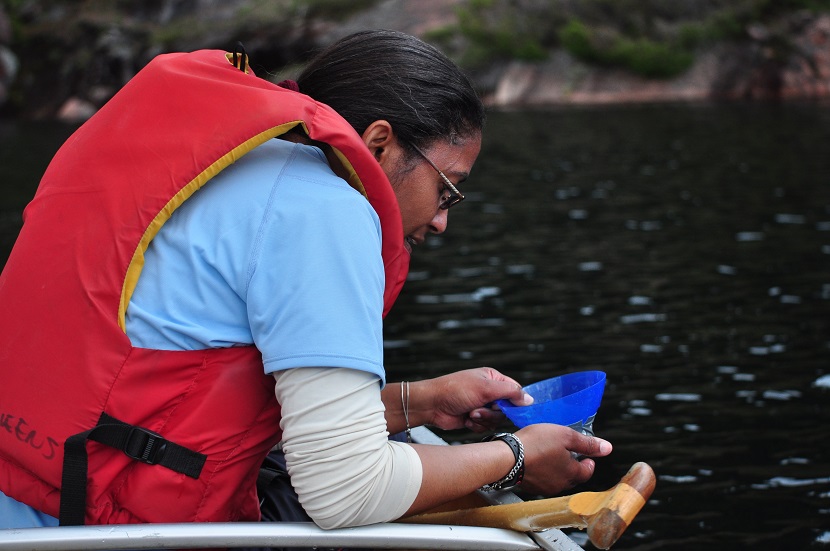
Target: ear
378	136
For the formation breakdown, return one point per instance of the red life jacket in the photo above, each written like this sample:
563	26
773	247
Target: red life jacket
65	360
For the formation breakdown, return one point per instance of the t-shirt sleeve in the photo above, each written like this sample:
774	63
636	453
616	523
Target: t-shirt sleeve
315	282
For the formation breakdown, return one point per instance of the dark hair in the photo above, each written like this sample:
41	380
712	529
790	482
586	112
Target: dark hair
392	76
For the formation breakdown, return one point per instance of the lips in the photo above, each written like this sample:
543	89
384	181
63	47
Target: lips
410	242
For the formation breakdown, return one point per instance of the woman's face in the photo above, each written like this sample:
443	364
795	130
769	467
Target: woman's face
420	188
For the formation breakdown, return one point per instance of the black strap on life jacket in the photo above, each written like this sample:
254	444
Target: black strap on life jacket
137	442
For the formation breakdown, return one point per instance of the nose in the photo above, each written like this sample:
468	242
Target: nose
439	223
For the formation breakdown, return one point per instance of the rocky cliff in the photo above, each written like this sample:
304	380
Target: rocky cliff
64	60
749	70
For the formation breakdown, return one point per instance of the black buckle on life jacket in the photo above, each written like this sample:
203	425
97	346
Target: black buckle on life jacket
145	445
136	442
240	57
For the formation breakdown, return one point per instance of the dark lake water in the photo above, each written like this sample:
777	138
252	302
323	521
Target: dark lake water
683	249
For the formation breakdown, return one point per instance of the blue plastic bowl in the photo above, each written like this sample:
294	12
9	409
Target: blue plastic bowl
570	400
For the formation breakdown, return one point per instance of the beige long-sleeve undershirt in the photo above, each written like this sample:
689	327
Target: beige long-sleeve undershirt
343	467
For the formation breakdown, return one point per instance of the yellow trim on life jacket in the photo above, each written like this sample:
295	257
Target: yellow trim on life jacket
241	63
137	262
354	179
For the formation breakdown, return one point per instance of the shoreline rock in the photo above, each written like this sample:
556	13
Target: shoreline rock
723	72
751	70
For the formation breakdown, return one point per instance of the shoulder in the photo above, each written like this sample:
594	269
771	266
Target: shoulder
305	188
283	179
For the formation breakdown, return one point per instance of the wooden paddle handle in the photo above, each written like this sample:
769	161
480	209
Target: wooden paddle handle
606	515
616	512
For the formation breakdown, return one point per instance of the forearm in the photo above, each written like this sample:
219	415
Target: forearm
450	472
418	405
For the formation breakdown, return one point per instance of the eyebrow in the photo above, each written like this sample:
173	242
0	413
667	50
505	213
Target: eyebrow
462	175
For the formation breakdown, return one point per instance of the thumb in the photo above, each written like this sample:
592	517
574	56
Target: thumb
512	391
591	446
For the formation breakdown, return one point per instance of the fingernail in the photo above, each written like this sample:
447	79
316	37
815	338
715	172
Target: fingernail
604	446
475	415
527	399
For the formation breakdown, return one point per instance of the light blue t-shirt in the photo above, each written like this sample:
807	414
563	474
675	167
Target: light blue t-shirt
275	251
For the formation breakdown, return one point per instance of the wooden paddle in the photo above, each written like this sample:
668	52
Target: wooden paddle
606	514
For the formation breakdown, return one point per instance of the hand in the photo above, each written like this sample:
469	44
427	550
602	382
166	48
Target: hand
459	399
550	465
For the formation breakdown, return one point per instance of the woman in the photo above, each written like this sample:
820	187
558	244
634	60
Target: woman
222	291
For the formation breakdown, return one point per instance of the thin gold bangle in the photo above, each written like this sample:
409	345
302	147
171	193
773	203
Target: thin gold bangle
405	405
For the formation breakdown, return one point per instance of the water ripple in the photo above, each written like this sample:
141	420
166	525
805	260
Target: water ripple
642	318
782	395
749	236
454	298
678	397
790	482
682	479
461	324
790	218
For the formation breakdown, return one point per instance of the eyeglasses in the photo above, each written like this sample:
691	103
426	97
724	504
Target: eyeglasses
454	196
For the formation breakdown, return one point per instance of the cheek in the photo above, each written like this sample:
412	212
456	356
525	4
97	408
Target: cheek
426	211
417	199
414	217
417	208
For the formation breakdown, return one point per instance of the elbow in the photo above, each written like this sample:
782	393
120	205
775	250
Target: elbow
333	523
332	511
381	488
332	517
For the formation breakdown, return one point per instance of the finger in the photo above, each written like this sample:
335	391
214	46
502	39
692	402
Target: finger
509	390
591	446
496	375
478	427
585	470
486	418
